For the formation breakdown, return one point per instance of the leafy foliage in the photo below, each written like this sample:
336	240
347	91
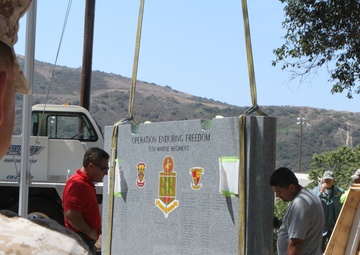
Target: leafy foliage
279	211
343	162
322	32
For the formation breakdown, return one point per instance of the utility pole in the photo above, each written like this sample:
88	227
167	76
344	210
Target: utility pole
301	122
87	54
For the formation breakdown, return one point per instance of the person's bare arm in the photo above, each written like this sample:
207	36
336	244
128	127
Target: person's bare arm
295	246
77	221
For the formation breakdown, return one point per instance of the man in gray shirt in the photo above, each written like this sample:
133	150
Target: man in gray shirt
303	222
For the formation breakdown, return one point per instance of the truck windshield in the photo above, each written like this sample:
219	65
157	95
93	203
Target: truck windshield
58	125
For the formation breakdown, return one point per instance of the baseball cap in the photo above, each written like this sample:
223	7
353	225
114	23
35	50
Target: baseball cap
10	13
356	175
328	175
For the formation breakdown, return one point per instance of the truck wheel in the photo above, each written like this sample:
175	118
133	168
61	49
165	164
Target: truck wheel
42	208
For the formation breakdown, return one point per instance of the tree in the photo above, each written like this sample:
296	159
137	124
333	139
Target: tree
343	162
322	33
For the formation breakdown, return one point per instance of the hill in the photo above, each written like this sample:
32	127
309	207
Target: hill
109	102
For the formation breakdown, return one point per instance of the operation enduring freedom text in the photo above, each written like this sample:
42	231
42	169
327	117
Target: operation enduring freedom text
171	138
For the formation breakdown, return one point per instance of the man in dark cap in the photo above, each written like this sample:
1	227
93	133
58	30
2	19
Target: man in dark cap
19	235
329	195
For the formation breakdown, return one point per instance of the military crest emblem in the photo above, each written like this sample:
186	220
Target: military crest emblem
166	201
140	181
196	173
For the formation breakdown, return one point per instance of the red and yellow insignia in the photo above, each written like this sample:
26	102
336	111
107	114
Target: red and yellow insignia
140	181
166	201
196	173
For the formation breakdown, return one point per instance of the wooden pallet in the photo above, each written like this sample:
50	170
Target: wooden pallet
345	238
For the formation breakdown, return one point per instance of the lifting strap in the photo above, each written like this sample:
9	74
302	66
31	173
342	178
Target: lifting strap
242	136
128	119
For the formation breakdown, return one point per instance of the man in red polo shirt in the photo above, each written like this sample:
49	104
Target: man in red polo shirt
81	209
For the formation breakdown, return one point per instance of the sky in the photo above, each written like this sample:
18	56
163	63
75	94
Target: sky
193	46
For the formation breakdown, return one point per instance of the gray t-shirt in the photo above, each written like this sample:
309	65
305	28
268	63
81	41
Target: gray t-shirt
304	219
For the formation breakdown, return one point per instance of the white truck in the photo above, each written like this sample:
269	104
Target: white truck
60	135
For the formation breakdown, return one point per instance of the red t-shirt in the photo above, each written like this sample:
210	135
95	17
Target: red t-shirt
80	195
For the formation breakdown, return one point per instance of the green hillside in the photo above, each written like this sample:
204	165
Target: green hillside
328	130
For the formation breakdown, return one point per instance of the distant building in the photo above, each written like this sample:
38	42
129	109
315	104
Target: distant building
303	179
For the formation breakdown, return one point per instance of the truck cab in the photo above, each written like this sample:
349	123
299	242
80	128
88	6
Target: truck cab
59	137
66	122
